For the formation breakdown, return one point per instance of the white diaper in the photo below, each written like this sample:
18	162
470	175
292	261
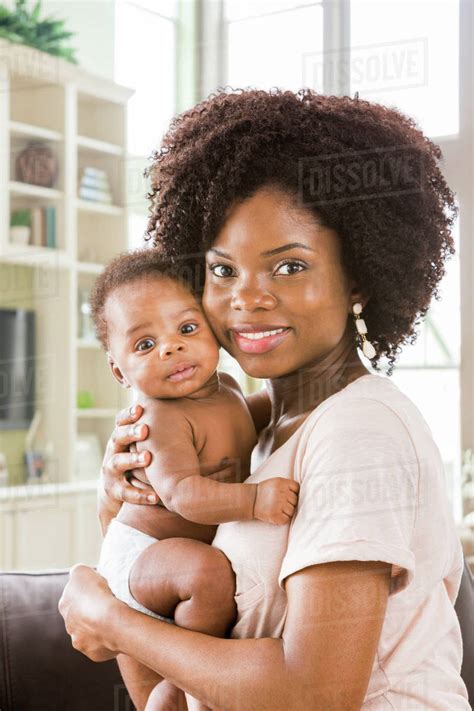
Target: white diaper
120	548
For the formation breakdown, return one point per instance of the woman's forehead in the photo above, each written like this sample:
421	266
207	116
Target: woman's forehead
268	221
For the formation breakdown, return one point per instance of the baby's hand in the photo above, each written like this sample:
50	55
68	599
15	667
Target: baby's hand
276	500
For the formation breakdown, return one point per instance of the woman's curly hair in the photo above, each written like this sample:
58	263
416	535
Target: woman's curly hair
362	169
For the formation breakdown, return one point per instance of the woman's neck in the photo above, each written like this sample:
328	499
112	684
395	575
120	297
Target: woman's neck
302	391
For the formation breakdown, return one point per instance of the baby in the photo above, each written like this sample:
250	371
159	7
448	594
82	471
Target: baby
200	436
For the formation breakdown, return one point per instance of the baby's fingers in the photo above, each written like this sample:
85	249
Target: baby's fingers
293	485
289	510
292	498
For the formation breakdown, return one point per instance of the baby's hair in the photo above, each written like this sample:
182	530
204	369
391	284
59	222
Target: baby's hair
127	268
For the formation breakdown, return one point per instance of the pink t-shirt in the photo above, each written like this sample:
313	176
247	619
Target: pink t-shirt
372	487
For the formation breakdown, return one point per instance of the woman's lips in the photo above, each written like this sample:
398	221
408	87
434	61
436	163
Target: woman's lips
257	342
183	374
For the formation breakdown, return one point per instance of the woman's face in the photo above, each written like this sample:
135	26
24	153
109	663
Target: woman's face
276	294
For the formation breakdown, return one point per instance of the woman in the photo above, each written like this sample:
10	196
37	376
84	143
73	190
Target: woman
314	215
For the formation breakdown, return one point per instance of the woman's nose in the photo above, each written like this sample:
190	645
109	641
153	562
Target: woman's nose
171	347
251	299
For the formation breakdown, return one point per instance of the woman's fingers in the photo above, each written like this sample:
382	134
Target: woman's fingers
129	416
85	605
123	491
117	485
124	435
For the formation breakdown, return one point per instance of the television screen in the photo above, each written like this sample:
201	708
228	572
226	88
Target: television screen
17	368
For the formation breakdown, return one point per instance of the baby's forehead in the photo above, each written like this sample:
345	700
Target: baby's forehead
161	291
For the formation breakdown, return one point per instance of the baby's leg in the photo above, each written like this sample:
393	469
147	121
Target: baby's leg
189	580
195	583
147	689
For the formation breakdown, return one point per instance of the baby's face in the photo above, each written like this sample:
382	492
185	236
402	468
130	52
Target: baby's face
158	338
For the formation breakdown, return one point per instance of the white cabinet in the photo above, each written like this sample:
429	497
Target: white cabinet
53	528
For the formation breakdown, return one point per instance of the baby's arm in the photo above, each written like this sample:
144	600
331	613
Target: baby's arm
174	473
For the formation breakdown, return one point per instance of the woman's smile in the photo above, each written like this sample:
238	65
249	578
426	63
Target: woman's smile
258	338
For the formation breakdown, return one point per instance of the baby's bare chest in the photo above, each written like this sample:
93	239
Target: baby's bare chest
224	431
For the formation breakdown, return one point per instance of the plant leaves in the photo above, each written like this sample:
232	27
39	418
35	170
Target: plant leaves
23	26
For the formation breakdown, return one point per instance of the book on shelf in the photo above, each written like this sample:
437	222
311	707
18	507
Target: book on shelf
94	186
42	226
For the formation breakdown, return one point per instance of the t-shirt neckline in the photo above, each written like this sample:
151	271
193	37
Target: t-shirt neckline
313	413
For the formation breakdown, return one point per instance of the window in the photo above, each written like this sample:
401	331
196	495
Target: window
406	54
268	41
145	56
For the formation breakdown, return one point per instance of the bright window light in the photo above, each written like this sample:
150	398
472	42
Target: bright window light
145	61
406	54
270	50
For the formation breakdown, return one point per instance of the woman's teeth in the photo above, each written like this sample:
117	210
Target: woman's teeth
262	334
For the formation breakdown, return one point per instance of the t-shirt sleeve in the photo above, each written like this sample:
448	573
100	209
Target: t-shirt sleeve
358	474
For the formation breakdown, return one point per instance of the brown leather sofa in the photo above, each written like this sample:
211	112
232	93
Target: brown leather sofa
40	671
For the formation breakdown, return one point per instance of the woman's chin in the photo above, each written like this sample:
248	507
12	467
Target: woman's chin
262	371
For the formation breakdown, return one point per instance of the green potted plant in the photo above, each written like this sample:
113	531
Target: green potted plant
20	227
24	26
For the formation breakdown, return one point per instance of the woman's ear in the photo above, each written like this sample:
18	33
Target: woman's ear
116	372
357	296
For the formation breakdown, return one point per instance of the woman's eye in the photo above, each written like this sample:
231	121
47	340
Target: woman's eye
221	270
288	268
188	328
145	345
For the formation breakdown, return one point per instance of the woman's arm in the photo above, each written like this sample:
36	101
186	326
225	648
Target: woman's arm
324	660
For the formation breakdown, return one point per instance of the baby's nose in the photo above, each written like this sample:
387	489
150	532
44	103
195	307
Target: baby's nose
167	349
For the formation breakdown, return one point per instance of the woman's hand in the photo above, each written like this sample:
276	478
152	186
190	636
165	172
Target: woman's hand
86	604
117	481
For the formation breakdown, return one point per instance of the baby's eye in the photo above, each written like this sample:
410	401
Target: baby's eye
221	270
188	328
145	345
288	268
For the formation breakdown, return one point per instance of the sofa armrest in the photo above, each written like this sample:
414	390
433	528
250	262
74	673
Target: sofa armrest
465	612
39	668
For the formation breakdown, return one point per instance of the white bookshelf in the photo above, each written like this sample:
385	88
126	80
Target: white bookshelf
82	118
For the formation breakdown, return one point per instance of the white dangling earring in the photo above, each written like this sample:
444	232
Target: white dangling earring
367	348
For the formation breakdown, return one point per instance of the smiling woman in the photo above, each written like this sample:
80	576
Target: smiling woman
289	269
351	604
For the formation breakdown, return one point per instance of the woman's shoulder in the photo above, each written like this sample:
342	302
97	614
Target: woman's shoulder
371	409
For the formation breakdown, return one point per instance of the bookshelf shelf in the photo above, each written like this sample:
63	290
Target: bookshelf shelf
91	144
95	413
36	256
89	268
82	119
29	131
34	191
86	344
100	208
